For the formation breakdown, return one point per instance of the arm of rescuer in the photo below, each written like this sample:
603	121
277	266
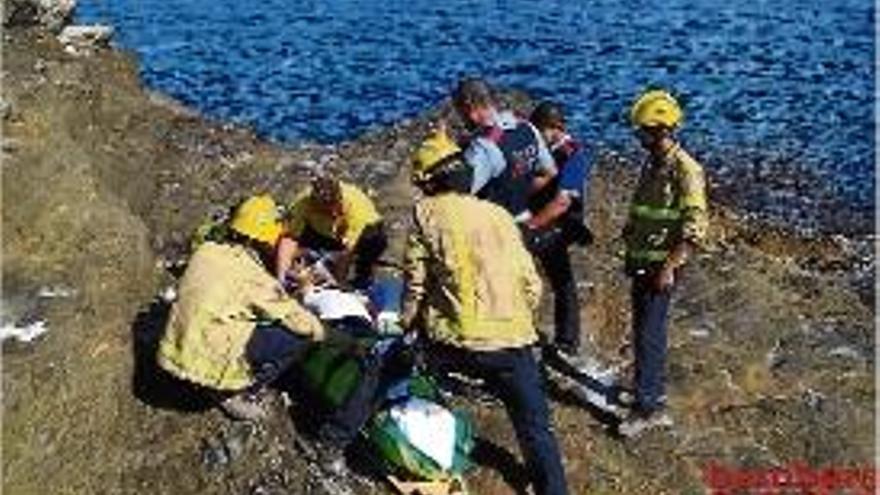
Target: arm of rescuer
695	220
553	210
545	169
286	252
572	178
287	249
270	302
415	272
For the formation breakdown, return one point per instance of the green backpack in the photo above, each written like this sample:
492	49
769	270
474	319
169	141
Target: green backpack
332	373
397	449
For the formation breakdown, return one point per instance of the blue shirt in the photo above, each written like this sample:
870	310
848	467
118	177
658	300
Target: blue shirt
574	172
574	163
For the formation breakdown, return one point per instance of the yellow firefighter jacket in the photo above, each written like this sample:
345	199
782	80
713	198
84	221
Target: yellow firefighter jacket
224	292
470	281
358	212
669	206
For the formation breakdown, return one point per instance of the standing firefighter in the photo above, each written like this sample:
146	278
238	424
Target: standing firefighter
667	221
472	288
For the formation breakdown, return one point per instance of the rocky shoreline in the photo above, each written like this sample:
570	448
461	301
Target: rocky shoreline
772	356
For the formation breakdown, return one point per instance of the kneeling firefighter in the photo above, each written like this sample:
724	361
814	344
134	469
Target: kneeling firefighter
233	328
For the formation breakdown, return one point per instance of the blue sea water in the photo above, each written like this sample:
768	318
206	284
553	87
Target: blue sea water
762	79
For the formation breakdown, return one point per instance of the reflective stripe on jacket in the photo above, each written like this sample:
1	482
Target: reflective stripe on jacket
224	292
469	280
358	212
669	206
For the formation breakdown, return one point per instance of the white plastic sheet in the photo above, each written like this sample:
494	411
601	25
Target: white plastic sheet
429	427
334	304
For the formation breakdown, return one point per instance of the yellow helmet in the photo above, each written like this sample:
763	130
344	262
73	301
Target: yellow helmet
656	107
432	152
257	218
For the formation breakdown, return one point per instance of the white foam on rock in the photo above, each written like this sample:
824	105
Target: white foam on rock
23	333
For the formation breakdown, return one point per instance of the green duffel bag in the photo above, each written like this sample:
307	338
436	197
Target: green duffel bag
332	373
419	438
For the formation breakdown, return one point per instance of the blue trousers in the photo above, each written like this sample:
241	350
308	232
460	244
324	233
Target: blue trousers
271	350
556	263
513	375
650	309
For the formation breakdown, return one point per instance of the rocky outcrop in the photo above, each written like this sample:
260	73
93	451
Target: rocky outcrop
52	15
771	355
55	16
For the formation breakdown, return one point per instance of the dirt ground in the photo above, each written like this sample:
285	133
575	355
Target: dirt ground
772	336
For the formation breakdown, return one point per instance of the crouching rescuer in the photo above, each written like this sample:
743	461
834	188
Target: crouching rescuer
667	221
471	290
338	217
233	328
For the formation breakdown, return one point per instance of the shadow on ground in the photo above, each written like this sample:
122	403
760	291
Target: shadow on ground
151	384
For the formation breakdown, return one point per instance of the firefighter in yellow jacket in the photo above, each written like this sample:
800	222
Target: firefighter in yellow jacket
233	328
667	222
472	289
337	217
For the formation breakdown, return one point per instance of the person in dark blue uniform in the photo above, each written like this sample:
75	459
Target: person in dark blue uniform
556	222
506	154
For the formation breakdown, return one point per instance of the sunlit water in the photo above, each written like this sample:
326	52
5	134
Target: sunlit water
765	83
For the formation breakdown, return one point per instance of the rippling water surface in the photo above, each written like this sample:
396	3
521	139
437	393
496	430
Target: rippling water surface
776	81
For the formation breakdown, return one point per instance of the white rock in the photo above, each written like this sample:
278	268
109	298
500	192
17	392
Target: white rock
813	398
55	292
55	14
700	333
26	333
845	352
84	38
